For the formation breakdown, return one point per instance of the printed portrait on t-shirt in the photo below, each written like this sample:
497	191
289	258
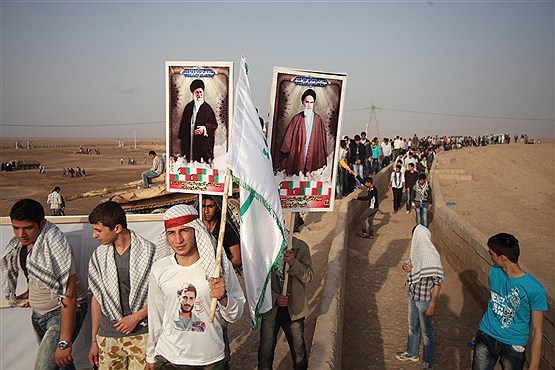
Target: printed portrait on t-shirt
187	315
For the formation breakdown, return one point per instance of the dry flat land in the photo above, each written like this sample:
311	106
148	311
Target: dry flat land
103	170
512	189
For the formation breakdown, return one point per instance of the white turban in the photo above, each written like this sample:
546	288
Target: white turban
185	215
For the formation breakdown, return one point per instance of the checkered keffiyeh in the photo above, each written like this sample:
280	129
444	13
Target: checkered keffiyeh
103	276
206	244
424	256
49	262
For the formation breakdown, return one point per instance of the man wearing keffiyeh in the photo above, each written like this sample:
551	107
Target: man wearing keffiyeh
58	298
118	278
424	278
172	343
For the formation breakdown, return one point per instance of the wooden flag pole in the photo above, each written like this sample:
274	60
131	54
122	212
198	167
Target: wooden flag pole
223	223
289	246
200	210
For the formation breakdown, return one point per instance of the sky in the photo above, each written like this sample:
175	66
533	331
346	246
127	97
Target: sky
96	69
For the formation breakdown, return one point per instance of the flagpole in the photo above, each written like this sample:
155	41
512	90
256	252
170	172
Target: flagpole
223	222
289	246
200	210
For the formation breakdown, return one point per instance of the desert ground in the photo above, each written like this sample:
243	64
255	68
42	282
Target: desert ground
512	190
103	170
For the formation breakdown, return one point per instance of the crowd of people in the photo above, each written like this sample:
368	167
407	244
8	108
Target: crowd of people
74	172
131	161
151	302
367	157
86	150
511	328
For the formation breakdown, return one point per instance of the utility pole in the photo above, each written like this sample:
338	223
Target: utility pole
372	124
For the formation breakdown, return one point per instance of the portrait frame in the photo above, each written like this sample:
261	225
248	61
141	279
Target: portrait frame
313	187
185	172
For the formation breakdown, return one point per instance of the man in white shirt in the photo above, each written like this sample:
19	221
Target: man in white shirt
175	337
397	146
55	202
156	170
386	152
397	184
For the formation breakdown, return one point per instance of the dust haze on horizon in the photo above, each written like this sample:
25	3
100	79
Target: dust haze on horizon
96	69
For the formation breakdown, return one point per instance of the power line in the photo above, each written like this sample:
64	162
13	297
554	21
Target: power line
84	125
347	110
453	114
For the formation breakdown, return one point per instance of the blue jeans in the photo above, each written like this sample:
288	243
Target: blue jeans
374	166
339	183
419	323
410	196
294	332
47	331
359	170
422	214
488	350
147	175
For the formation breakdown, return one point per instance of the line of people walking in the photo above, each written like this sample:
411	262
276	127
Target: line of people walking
511	328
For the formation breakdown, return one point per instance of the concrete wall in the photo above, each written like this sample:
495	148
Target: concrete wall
465	250
325	351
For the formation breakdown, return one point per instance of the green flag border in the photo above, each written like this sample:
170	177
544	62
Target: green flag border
275	264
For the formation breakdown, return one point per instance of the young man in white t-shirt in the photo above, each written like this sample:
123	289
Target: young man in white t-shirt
180	333
397	184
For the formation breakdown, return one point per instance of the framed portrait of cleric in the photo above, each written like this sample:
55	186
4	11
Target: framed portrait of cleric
199	102
306	109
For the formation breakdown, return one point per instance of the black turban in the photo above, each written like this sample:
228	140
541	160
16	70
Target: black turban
307	93
196	84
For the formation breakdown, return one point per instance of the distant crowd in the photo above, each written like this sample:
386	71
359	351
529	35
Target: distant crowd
87	150
72	172
367	157
131	161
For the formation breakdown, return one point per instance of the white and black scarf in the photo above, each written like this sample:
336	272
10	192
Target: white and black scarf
103	276
424	256
48	262
206	244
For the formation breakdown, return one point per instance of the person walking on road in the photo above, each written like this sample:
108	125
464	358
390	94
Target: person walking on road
424	279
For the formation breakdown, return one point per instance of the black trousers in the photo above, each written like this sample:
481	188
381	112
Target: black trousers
397	198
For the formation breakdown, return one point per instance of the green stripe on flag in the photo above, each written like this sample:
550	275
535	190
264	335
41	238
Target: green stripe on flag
275	264
245	206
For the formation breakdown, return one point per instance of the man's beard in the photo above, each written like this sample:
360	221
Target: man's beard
199	101
308	112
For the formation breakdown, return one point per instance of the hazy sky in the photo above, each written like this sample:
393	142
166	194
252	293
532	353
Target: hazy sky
98	63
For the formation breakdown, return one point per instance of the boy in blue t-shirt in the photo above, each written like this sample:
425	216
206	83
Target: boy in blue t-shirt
514	311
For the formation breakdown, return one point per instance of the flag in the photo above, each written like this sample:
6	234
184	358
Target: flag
262	230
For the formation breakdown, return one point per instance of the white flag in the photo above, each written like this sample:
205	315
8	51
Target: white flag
262	233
